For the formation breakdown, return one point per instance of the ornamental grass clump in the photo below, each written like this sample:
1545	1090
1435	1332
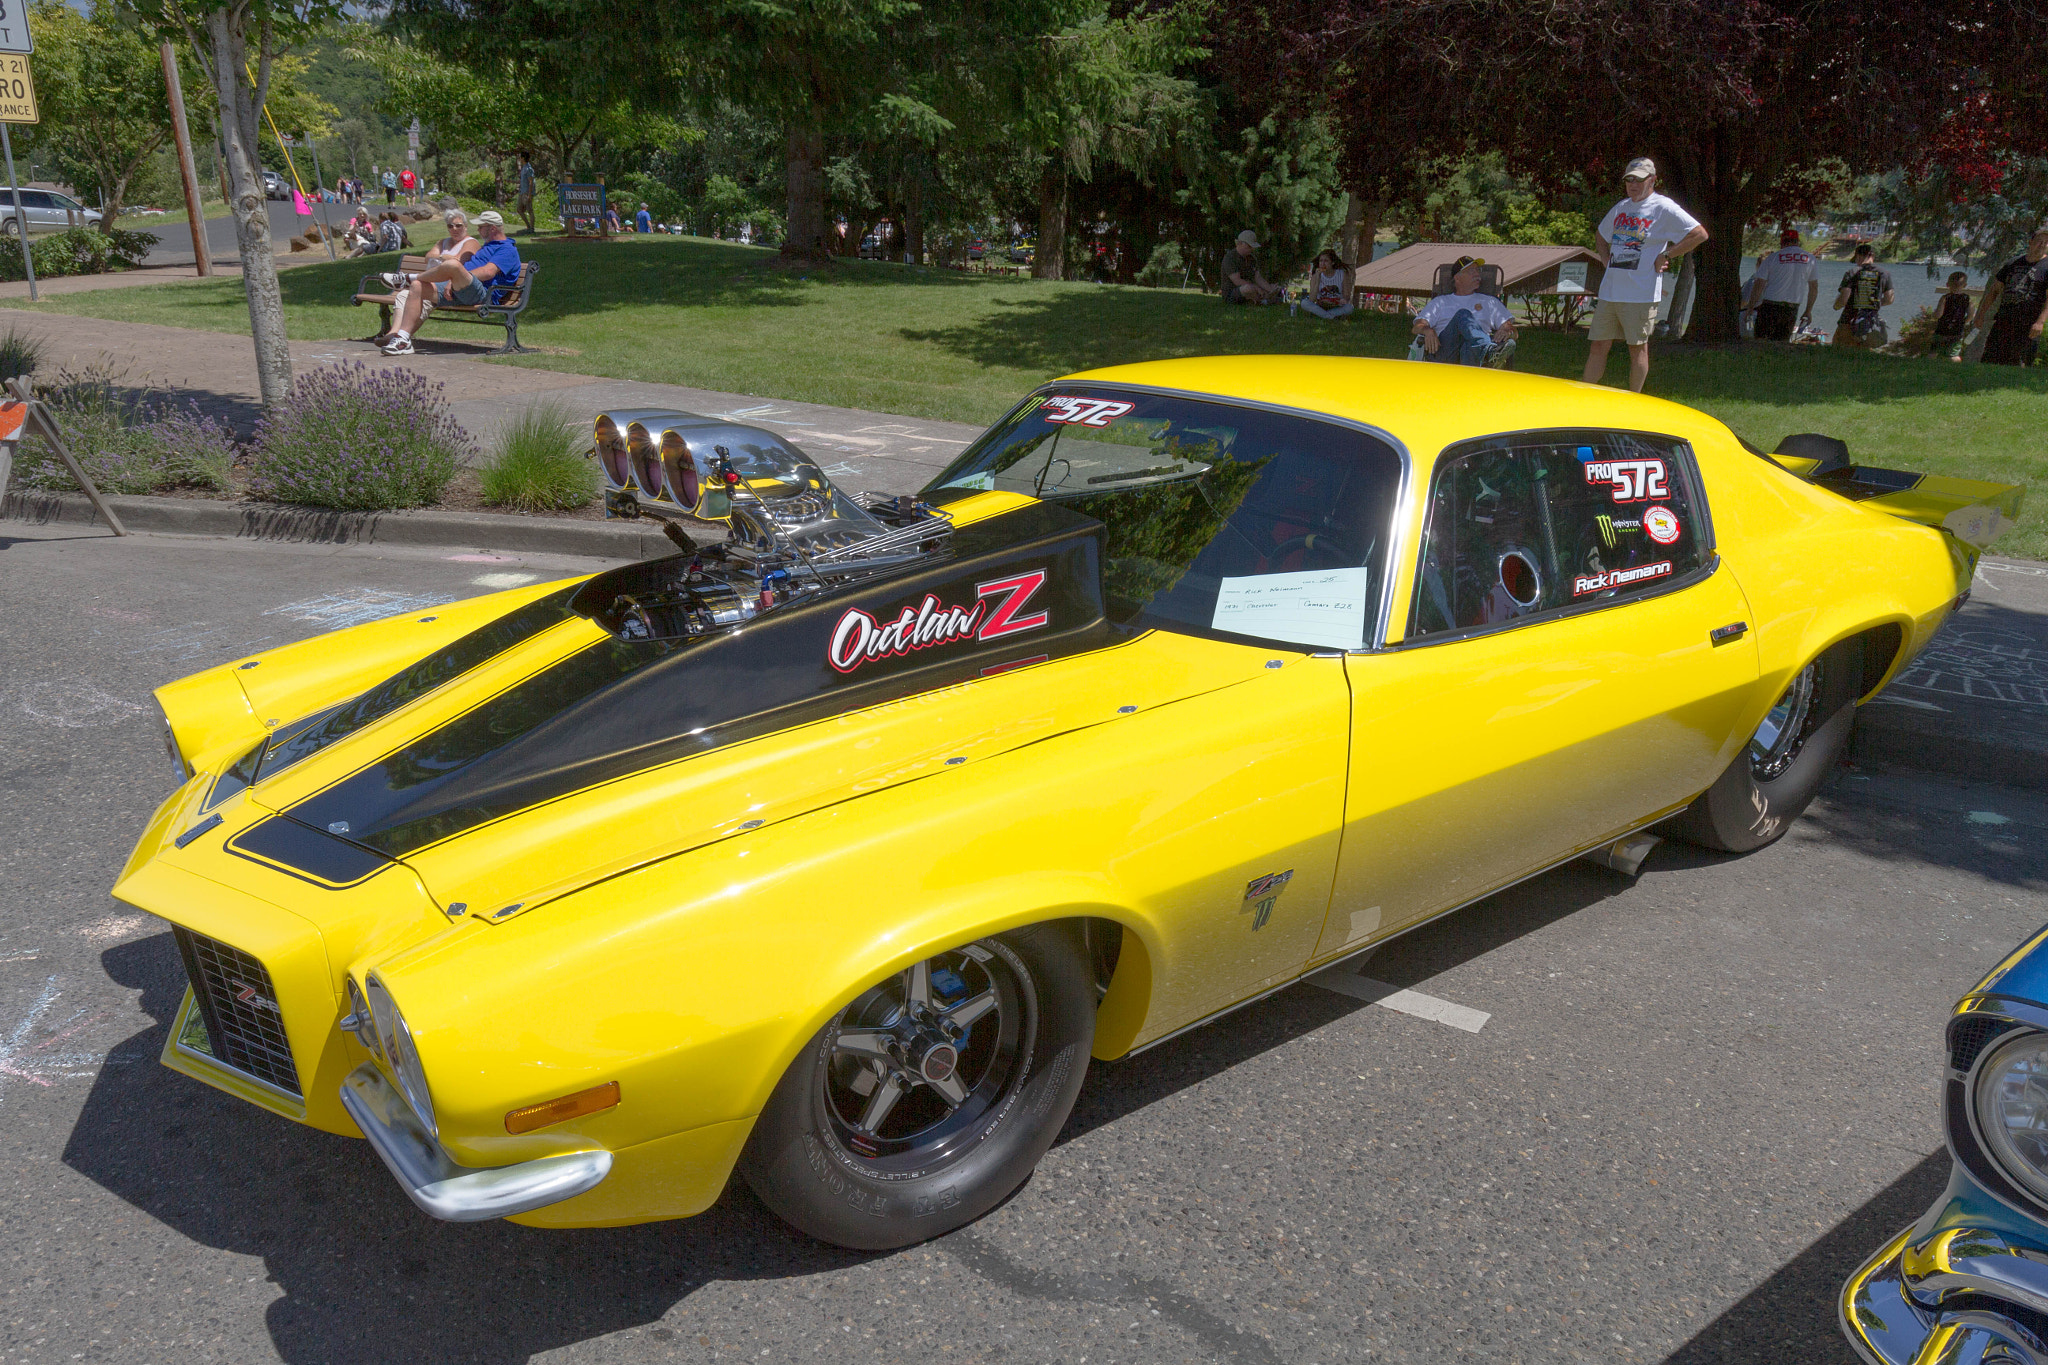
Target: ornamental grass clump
358	439
537	464
127	438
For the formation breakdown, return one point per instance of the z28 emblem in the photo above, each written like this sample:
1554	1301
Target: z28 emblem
998	610
1261	893
1633	480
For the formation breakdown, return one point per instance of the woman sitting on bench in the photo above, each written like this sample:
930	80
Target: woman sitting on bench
491	272
458	246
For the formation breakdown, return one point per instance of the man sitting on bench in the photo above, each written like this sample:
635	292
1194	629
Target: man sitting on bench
490	273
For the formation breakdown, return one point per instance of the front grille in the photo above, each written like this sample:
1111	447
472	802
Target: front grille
243	1026
1970	1035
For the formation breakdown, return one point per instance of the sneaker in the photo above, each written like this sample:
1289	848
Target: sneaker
1499	354
400	344
393	279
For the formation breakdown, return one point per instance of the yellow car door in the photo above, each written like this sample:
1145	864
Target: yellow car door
1576	660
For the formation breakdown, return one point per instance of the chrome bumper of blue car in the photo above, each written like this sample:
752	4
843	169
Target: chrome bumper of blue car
459	1194
1957	1297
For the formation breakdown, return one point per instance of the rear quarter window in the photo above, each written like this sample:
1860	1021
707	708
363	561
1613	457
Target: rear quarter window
1533	524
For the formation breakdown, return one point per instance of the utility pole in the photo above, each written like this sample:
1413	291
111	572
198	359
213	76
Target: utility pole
319	188
188	173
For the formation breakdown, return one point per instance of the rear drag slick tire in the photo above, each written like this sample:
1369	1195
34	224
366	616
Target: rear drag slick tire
1775	777
928	1100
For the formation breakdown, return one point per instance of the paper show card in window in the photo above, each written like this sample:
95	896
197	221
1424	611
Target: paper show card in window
1325	608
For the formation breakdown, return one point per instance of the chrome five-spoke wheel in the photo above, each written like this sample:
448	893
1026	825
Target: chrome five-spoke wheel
920	1059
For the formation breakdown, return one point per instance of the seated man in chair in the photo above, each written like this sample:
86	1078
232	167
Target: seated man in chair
490	273
1466	327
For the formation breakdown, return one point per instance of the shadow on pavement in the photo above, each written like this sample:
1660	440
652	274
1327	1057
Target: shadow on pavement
1791	1316
363	1275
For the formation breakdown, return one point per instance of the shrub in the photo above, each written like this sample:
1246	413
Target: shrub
127	440
480	183
355	438
538	465
1165	269
19	354
77	251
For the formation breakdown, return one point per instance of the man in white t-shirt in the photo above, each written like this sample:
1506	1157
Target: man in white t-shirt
1640	238
1466	327
1783	277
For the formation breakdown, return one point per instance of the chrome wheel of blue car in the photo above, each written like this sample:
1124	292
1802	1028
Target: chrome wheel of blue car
931	1096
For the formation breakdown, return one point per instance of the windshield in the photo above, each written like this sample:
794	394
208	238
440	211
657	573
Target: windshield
1220	519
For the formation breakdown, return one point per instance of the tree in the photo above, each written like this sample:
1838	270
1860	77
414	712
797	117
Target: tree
358	143
104	107
220	32
1744	104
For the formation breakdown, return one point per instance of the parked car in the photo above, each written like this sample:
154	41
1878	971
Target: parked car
1969	1280
830	850
45	210
275	186
1021	253
976	248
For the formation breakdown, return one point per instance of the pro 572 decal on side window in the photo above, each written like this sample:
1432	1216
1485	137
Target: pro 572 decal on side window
1087	412
1632	480
998	610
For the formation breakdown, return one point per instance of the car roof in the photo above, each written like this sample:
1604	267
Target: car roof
1426	407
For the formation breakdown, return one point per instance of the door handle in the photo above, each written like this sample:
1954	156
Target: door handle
1734	630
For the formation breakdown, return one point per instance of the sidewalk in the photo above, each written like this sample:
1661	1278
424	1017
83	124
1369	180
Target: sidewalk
1975	702
863	451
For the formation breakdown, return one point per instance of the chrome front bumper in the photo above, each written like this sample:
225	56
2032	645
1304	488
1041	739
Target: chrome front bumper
1959	1297
459	1194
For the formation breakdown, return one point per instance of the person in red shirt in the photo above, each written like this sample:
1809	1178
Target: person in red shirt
408	182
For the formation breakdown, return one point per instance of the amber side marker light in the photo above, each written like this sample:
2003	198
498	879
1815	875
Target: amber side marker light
568	1107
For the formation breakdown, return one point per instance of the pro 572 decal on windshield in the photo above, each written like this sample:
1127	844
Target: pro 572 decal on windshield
1087	412
997	610
1632	480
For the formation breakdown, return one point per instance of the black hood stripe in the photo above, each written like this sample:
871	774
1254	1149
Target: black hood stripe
621	707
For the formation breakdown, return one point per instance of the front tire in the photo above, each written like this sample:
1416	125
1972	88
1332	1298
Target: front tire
1777	774
928	1100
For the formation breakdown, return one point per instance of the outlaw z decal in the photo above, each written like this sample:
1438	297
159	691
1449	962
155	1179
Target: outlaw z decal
1261	894
997	610
1619	578
1087	412
1632	480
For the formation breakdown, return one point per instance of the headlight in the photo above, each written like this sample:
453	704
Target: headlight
2012	1110
395	1043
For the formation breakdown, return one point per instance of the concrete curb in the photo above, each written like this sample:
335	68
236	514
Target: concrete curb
625	540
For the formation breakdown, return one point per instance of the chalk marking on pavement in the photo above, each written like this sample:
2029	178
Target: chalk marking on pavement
337	610
504	580
34	1063
1422	1006
1988	817
2027	570
74	705
1906	701
914	434
482	559
1981	663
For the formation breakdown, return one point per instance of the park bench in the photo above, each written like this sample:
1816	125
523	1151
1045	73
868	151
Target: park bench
505	314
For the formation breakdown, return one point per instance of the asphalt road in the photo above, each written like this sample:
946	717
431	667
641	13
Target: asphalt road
1699	1098
174	232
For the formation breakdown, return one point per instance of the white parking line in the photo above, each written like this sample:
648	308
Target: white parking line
1346	982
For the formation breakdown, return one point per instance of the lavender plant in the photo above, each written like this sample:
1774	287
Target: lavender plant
127	438
358	439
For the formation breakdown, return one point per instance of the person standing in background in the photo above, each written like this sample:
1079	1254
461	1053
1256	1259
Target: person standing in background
525	197
1951	319
390	189
1784	279
1864	290
1640	238
2019	294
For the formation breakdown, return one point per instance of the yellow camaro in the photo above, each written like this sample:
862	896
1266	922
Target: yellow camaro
833	849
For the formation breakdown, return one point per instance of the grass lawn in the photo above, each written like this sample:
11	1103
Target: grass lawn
937	343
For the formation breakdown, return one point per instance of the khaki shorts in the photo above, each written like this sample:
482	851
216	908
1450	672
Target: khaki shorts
1629	322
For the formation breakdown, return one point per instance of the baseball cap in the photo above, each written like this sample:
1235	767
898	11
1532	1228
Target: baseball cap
1639	168
1464	261
491	216
1788	236
1248	237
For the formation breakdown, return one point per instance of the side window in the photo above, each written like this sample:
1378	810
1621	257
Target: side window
35	199
1519	526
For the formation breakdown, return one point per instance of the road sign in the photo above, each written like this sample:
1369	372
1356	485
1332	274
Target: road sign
14	35
412	154
17	88
412	134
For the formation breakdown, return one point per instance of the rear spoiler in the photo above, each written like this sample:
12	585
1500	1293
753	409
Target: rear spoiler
1971	510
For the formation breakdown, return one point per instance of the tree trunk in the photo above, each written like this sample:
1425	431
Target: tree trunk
1050	263
804	152
240	107
913	216
1717	306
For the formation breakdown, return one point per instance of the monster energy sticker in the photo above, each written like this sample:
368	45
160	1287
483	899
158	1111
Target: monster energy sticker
1610	525
1261	893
